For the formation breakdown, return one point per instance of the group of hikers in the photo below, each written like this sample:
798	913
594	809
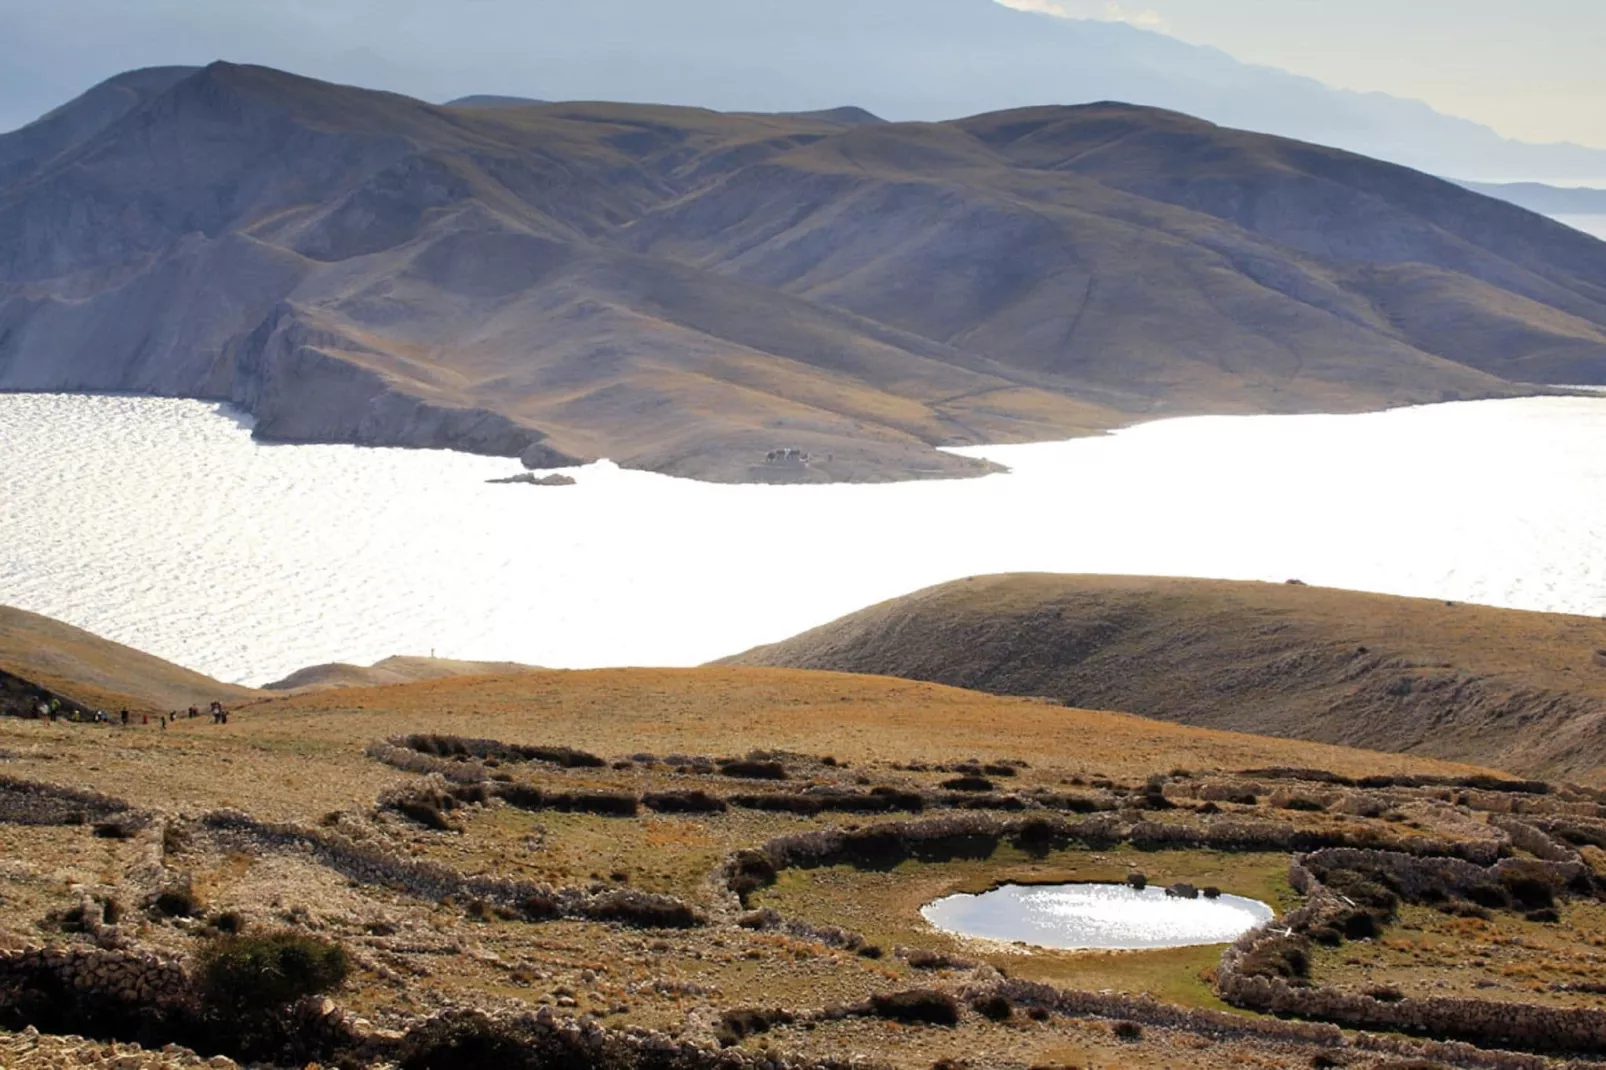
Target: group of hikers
52	710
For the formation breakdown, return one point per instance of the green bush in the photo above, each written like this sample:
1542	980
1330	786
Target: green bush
246	976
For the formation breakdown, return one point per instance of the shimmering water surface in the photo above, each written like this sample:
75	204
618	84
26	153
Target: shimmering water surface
1106	916
1589	224
162	524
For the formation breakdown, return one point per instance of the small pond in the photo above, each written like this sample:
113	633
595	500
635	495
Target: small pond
1104	916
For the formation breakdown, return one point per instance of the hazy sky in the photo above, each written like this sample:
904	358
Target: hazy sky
1532	69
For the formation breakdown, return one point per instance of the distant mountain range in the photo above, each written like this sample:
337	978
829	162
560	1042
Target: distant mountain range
692	292
901	59
1547	200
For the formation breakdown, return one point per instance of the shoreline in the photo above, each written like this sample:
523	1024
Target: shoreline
248	421
390	554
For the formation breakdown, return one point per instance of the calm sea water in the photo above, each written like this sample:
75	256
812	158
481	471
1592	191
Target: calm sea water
162	524
1589	224
1104	916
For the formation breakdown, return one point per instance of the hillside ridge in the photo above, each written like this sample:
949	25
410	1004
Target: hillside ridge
1516	690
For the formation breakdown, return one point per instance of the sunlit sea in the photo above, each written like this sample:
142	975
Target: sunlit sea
163	524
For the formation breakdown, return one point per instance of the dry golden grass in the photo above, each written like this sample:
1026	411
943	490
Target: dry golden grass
1521	691
1503	958
301	756
97	672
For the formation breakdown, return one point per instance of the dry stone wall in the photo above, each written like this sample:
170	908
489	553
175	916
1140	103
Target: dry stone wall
372	864
1487	1023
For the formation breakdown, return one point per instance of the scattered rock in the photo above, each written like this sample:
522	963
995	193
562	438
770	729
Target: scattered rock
556	479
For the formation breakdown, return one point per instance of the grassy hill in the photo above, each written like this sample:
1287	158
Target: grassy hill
1521	691
97	673
38	654
393	670
686	290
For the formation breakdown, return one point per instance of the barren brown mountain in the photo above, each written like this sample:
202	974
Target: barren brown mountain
1521	691
687	291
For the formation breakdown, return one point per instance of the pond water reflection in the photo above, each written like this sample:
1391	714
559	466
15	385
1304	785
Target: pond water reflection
1102	916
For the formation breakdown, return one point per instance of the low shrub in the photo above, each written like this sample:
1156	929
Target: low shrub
753	769
228	922
994	1008
425	812
603	803
491	750
474	1041
684	802
1129	1032
983	801
472	793
542	906
749	871
1490	896
1530	888
1286	959
968	783
742	1022
642	910
1071	804
780	803
923	1006
176	902
240	975
920	958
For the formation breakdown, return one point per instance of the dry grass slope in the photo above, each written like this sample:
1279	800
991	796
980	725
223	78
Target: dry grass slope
400	669
1522	691
99	673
